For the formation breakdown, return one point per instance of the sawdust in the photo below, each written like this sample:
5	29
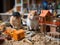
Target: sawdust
38	39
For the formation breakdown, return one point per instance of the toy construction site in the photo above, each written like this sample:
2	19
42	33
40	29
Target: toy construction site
30	22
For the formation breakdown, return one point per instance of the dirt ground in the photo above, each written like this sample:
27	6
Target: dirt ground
35	39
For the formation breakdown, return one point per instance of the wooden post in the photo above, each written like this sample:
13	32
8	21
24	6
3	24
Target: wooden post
52	28
41	28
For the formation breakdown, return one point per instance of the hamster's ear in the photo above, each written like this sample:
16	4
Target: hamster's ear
28	15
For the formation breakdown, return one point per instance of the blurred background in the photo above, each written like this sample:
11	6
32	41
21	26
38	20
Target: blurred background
24	6
6	5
